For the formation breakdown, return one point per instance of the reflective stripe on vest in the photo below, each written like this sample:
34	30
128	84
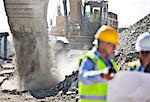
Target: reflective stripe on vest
90	55
134	65
87	97
95	92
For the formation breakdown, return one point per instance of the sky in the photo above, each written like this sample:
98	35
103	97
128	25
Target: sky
129	11
3	19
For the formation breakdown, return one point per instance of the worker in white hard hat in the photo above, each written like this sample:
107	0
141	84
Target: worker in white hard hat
143	48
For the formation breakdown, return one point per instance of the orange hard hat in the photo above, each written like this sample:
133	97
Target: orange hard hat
107	34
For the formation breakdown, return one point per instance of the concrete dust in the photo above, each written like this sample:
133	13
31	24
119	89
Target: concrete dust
32	61
30	39
41	66
65	60
8	92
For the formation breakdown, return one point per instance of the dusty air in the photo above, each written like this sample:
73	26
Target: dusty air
74	51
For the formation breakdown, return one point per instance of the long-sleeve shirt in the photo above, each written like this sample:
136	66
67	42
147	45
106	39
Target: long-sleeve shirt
87	72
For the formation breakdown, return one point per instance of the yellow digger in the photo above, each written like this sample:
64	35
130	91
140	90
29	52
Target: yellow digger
80	21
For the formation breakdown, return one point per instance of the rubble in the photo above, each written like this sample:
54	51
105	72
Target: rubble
63	86
65	91
124	53
126	50
8	66
49	95
9	71
2	79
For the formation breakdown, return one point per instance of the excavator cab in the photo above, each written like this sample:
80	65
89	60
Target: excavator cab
81	19
95	15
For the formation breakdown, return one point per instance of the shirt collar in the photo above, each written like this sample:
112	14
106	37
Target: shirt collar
98	55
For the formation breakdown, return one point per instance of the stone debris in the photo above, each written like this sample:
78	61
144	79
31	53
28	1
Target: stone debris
66	91
2	79
126	50
8	71
63	86
8	66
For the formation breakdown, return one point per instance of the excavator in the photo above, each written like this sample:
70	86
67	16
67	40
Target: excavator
79	28
28	25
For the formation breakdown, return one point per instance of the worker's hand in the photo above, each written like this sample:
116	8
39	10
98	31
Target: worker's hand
111	70
106	76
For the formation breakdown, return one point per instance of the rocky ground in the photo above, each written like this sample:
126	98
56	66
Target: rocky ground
54	94
14	96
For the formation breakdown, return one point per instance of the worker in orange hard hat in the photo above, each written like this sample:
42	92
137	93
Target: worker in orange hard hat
96	67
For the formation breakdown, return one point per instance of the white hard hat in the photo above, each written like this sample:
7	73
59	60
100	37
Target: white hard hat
143	42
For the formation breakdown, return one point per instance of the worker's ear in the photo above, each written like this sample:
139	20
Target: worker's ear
139	54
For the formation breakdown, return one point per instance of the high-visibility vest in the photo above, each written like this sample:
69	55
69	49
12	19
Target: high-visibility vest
94	17
95	92
134	65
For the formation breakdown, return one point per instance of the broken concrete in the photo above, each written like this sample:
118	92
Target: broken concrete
9	71
126	49
27	21
2	78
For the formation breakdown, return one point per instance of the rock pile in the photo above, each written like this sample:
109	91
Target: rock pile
63	87
126	50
